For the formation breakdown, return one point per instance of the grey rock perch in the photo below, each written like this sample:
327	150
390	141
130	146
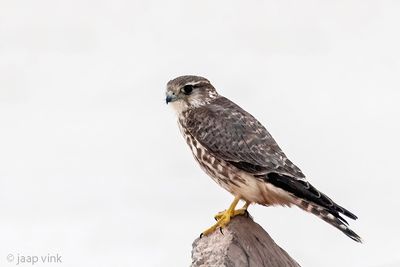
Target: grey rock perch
243	243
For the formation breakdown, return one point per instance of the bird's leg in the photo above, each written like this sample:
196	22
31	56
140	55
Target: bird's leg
241	211
224	217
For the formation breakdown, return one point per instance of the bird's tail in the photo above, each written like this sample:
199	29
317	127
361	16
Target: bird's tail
334	220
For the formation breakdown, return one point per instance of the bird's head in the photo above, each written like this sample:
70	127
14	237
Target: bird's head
186	92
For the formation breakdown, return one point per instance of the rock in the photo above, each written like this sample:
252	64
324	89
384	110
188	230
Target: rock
243	243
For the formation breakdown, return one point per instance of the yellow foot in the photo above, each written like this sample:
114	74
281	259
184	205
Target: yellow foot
242	211
223	219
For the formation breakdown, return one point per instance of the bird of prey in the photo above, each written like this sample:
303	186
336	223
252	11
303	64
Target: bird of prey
240	155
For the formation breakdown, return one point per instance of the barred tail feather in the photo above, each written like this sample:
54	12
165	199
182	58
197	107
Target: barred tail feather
334	220
308	198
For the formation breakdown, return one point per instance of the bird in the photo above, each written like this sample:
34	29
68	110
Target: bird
241	156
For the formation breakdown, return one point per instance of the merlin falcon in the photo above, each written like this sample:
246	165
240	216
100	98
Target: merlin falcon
240	155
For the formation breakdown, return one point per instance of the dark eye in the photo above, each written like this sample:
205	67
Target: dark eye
187	89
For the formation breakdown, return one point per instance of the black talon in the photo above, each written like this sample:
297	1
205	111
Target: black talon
201	235
220	229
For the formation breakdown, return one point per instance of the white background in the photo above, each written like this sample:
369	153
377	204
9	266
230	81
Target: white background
92	165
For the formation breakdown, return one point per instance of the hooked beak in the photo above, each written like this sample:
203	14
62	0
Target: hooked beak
171	97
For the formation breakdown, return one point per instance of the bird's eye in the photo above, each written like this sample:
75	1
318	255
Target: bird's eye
187	89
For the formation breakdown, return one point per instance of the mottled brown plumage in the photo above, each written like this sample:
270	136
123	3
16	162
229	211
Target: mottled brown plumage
237	152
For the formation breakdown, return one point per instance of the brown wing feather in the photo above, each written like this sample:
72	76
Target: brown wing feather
234	135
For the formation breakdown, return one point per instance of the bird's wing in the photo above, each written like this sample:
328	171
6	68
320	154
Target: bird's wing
231	133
